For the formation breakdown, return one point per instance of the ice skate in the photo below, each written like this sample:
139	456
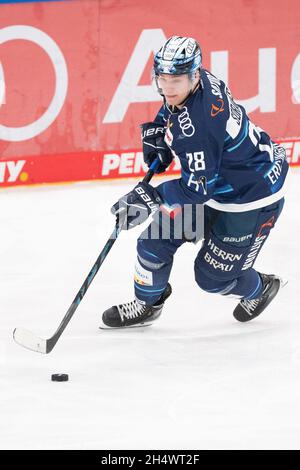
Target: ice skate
132	314
249	309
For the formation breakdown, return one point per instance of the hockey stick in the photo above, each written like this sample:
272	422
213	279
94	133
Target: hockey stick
29	340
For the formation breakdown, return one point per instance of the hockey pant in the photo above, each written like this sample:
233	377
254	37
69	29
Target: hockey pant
224	264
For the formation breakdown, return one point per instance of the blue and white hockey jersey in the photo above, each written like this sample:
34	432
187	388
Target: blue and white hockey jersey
226	161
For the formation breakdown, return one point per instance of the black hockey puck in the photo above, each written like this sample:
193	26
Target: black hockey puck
59	377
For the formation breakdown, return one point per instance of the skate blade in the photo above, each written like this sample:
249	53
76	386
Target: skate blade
104	327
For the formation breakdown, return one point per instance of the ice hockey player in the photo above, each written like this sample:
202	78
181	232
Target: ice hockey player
229	166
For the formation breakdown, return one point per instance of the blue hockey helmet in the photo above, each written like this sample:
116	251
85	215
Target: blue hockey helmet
179	55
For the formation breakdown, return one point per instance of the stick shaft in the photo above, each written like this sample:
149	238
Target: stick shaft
51	342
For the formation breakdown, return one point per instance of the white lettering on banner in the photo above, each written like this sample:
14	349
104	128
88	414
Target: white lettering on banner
150	41
2	86
292	151
265	100
219	64
128	163
296	92
139	164
177	164
14	169
111	161
35	35
128	90
125	163
295	80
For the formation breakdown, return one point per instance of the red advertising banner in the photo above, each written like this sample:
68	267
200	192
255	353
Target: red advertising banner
75	78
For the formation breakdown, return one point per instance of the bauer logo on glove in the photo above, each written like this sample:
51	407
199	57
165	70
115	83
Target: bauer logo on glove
135	207
146	198
154	146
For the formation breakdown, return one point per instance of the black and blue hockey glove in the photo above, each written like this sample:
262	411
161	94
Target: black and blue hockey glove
135	207
154	145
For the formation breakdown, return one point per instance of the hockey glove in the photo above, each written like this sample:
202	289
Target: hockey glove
135	207
154	145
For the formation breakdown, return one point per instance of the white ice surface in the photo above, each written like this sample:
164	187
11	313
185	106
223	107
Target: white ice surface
195	380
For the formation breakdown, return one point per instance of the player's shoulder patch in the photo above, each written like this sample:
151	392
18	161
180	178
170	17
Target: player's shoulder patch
215	96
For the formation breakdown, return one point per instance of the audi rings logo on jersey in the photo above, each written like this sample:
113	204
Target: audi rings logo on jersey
35	35
185	123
